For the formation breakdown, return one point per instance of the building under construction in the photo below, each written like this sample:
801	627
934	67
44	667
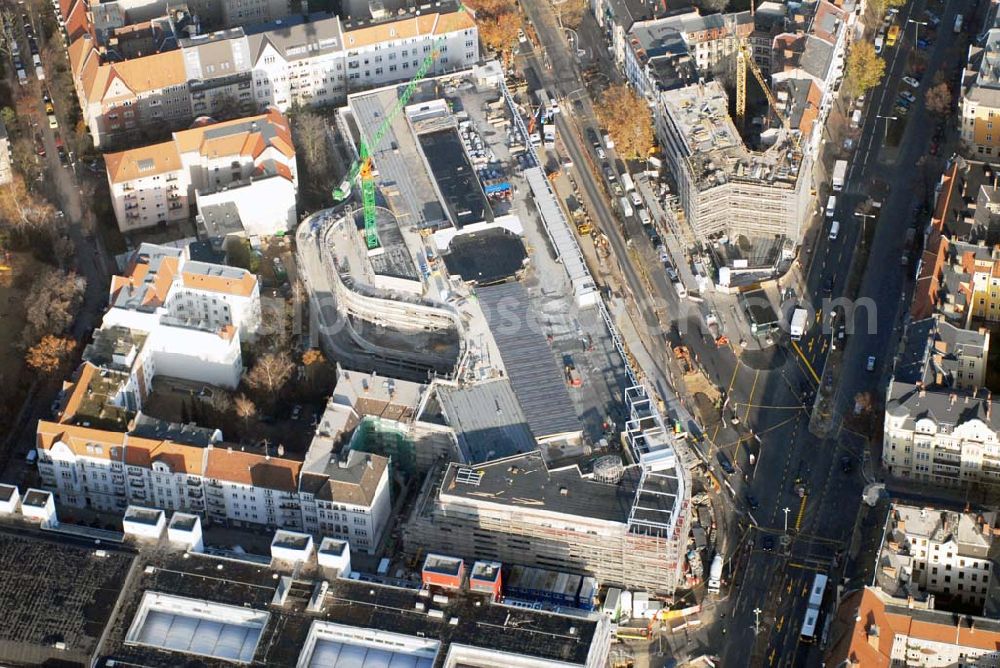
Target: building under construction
625	523
725	190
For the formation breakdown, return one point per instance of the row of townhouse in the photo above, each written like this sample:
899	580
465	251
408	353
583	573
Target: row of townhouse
176	468
248	163
111	19
301	60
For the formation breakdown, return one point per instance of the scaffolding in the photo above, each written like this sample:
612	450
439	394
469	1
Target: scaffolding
387	438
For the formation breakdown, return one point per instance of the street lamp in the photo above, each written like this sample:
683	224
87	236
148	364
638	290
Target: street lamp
756	620
916	29
863	217
786	510
885	137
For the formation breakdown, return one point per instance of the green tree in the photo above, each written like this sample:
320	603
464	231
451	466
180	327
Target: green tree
865	68
8	116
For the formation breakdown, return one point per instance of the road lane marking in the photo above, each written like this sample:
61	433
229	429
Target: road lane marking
809	367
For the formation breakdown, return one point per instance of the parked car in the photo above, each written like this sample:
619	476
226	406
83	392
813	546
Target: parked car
609	173
870	363
752	502
724	463
53	122
601	154
911	82
908	96
593	138
846	464
767	542
672	273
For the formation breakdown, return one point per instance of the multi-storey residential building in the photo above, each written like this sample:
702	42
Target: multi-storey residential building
980	99
313	60
173	316
659	52
872	629
724	188
251	12
249	162
927	552
939	422
6	173
100	455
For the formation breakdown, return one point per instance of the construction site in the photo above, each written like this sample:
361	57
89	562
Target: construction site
751	203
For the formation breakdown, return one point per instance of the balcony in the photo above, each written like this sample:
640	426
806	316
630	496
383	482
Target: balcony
194	482
194	493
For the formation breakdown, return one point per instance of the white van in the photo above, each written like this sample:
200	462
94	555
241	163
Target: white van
681	290
856	118
958	24
831	206
834	230
644	217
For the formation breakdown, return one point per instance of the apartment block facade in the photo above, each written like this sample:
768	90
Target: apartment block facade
248	161
930	552
299	60
979	104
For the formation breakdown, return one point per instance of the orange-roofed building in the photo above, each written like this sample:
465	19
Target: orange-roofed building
873	631
247	162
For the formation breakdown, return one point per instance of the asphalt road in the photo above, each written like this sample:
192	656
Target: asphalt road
829	510
770	391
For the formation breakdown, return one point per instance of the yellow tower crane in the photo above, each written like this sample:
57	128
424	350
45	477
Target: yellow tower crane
744	60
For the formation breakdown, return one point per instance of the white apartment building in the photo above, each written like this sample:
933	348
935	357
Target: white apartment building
297	60
248	161
939	423
179	468
939	552
187	318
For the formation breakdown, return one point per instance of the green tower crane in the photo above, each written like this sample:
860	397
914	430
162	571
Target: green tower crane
363	165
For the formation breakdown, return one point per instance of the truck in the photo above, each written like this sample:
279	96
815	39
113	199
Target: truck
608	143
797	327
628	182
839	175
626	206
715	575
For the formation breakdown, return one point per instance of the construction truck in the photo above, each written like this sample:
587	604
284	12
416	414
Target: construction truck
683	357
797	327
715	575
573	378
714	329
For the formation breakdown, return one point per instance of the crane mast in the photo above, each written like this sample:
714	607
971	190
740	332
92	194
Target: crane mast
362	167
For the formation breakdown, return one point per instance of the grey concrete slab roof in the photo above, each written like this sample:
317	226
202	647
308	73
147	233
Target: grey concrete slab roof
525	481
487	419
537	379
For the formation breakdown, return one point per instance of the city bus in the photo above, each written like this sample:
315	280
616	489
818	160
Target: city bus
808	633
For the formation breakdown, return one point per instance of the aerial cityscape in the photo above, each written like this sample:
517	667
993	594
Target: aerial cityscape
499	333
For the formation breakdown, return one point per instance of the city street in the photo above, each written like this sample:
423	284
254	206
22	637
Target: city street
770	391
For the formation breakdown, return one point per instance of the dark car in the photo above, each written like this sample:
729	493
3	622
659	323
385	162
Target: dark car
828	287
767	542
846	464
724	462
592	137
752	502
63	155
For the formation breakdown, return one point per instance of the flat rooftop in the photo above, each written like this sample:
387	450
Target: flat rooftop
455	177
55	590
487	419
526	481
538	382
361	608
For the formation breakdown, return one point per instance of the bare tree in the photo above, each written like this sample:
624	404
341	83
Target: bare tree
270	374
309	129
52	303
22	210
246	410
938	99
